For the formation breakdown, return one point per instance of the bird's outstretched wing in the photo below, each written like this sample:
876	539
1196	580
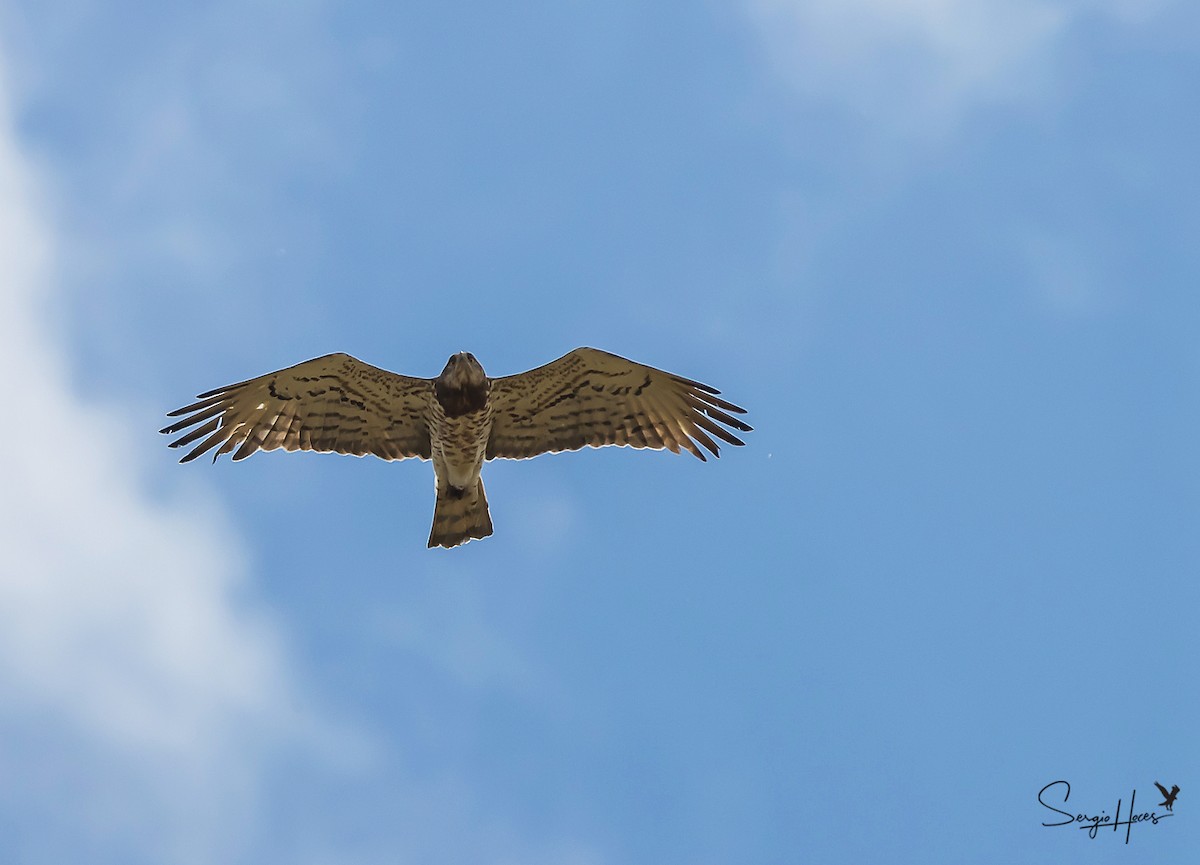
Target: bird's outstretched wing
330	403
1163	790
591	397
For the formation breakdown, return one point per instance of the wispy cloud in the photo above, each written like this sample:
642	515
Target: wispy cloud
140	690
146	703
912	66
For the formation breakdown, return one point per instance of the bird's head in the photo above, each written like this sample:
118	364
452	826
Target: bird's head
462	371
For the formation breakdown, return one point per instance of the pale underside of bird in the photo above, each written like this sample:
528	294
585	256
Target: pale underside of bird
458	420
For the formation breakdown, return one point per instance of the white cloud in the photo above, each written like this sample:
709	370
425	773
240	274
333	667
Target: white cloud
140	695
143	700
911	66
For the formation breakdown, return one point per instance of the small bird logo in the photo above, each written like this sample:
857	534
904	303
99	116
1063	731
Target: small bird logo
1168	798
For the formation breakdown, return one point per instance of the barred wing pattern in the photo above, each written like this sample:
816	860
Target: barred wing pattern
590	397
331	403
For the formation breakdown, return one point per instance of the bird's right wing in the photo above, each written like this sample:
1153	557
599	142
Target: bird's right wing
1166	795
331	403
590	397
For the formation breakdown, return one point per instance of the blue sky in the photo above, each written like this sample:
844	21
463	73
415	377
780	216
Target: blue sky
944	252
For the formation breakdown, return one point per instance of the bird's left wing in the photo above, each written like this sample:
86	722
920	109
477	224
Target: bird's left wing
590	397
1163	789
331	403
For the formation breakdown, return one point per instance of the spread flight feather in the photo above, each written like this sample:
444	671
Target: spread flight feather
337	403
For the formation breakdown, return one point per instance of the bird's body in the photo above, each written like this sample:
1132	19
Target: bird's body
1168	798
459	419
460	424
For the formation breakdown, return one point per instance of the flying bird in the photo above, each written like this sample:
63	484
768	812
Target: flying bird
1168	798
337	403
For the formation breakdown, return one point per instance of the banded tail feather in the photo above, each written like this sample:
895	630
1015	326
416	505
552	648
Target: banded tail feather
460	516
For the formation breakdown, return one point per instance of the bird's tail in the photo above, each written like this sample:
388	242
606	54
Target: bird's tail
459	516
